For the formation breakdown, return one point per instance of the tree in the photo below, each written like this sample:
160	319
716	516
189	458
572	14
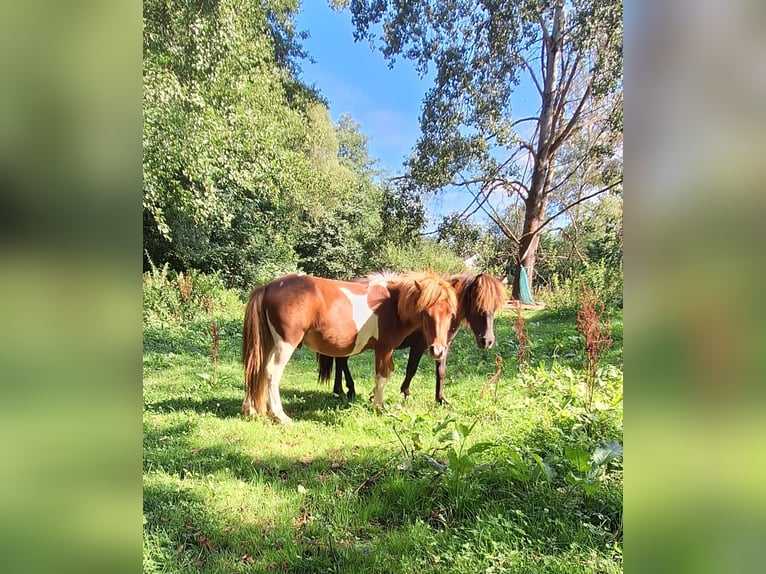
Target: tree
403	214
244	171
461	236
225	135
569	52
339	241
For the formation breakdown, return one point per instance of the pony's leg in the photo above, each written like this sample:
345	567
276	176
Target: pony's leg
338	384
274	367
441	368
417	350
383	367
349	380
248	407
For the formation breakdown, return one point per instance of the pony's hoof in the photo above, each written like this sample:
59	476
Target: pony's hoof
351	395
283	420
248	411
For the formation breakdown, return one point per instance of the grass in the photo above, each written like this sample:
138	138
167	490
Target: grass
498	487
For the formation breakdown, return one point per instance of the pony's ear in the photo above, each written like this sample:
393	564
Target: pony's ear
417	285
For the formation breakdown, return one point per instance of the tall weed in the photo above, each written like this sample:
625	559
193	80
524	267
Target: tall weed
595	329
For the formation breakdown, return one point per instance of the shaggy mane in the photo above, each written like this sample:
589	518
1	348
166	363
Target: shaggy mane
420	290
482	292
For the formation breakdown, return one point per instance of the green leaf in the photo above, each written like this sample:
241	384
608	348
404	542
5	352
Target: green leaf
572	479
544	467
479	447
462	430
417	441
590	488
450	436
452	459
606	452
452	417
578	457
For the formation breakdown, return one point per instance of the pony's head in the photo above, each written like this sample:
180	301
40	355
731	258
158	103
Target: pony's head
479	298
430	302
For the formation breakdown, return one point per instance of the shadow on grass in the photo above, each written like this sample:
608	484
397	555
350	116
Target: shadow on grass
224	408
319	406
188	486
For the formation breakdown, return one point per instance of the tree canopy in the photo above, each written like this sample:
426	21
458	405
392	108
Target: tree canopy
568	52
246	174
244	171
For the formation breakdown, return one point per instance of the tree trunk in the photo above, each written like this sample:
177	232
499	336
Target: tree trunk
542	170
530	238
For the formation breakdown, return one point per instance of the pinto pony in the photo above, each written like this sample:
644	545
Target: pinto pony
479	297
338	319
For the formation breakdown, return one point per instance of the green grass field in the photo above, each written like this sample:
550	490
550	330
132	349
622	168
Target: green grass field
518	480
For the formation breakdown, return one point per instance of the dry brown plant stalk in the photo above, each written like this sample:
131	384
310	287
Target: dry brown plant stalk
597	333
521	337
494	379
185	287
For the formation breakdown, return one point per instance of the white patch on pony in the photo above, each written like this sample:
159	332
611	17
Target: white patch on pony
380	386
365	319
275	364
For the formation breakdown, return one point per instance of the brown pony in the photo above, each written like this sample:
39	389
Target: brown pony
479	297
338	319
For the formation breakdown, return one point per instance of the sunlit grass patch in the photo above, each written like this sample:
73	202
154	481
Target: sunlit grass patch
494	482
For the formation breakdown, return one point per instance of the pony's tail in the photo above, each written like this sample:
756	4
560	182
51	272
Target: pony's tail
256	342
324	367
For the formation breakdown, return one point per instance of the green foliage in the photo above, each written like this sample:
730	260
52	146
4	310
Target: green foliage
589	471
339	243
244	172
471	136
352	146
403	214
594	237
461	236
173	298
605	281
425	254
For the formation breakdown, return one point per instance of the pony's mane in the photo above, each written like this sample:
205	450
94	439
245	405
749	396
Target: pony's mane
482	292
379	277
419	290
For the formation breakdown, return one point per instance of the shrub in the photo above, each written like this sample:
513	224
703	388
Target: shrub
426	254
565	293
172	297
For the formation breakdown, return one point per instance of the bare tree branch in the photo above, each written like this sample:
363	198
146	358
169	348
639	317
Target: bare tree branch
572	121
532	75
560	104
571	205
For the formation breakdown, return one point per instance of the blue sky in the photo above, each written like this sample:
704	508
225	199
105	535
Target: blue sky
356	80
